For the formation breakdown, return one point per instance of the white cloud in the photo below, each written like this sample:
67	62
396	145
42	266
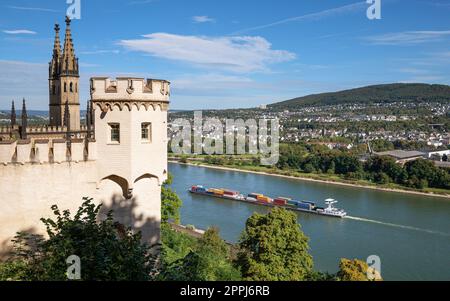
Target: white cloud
238	53
312	16
203	19
19	31
34	8
409	37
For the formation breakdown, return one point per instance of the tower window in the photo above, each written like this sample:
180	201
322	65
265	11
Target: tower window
146	131
114	132
71	87
65	87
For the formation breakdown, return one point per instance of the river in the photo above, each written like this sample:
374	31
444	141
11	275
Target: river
410	233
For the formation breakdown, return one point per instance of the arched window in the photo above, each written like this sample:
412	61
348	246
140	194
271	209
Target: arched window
65	87
76	88
53	89
71	87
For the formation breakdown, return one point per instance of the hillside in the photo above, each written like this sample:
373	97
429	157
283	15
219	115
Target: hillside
378	93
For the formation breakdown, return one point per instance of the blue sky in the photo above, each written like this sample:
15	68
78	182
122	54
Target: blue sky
228	54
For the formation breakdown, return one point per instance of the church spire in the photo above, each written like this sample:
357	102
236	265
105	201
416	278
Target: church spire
54	64
57	44
13	114
69	60
23	129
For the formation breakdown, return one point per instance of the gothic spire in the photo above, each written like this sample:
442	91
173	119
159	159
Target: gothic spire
69	60
13	114
23	129
57	44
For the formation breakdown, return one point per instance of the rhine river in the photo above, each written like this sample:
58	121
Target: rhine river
410	233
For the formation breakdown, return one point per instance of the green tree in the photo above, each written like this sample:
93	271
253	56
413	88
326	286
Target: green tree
210	261
170	203
355	270
423	173
273	247
107	250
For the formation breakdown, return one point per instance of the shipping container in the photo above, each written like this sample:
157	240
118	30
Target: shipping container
280	202
304	206
308	202
264	199
293	202
229	192
252	195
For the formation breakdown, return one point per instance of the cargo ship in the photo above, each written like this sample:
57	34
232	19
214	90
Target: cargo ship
261	199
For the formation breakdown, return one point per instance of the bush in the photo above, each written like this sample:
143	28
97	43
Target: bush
107	250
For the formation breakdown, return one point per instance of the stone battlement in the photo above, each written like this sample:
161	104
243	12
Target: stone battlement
42	151
40	129
129	89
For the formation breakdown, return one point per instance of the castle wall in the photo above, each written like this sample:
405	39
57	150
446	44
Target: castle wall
28	192
124	176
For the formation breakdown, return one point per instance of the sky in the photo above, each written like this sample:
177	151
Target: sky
227	54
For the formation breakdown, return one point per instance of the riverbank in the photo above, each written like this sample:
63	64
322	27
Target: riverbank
274	174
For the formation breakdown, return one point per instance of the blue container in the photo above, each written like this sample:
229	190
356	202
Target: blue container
293	202
304	206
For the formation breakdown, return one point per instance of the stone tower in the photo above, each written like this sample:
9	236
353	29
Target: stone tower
64	82
130	118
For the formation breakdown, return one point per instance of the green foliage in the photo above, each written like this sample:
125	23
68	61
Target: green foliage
311	158
14	270
209	260
107	250
175	245
273	248
423	173
354	270
381	145
170	203
379	93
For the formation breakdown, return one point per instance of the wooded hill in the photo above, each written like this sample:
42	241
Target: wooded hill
380	93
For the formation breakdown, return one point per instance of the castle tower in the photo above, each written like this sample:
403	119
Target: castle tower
64	81
130	117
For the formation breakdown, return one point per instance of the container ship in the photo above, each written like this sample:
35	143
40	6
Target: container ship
261	199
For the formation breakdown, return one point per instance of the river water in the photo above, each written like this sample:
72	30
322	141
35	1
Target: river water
410	233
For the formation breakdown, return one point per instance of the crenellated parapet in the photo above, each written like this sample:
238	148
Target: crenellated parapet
130	93
40	151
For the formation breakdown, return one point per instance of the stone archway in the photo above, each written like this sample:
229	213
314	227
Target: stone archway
122	182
